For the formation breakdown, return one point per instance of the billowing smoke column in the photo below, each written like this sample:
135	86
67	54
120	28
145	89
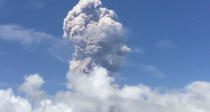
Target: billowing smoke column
97	36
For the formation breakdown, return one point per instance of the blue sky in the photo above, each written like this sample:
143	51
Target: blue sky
170	41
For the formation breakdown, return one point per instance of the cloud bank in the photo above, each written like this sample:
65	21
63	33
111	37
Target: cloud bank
98	39
96	93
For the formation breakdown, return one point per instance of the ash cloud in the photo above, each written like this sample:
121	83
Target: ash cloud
97	35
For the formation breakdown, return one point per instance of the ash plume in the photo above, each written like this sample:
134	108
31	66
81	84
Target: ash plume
97	35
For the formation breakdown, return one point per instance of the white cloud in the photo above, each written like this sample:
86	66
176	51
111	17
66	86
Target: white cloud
22	35
153	70
31	37
165	43
96	93
11	103
31	87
